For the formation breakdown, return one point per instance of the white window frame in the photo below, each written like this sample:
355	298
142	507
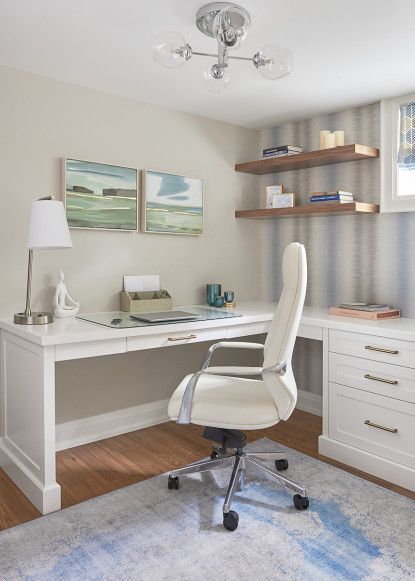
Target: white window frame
389	140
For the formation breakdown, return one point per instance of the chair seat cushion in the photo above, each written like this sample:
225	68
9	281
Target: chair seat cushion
227	402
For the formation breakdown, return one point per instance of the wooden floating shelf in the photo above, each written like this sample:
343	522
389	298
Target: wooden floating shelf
315	209
339	154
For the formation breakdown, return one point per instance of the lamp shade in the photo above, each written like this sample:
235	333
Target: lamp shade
48	227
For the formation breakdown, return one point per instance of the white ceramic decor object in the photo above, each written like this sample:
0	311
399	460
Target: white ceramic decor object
62	297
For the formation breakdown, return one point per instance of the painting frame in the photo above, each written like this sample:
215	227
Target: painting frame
144	193
64	172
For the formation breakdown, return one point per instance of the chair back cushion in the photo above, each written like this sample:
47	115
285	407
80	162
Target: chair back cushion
281	338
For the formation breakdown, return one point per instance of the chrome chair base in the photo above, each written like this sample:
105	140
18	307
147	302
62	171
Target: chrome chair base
241	462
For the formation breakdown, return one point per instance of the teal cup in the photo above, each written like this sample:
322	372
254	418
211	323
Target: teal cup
229	296
212	291
219	301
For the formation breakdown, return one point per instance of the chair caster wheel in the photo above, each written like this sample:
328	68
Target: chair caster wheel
301	502
231	520
281	465
173	483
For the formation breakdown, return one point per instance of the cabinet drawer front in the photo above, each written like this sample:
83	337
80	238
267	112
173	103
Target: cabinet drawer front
383	378
374	348
175	338
374	423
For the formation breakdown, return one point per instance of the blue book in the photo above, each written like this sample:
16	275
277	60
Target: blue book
279	154
282	148
331	198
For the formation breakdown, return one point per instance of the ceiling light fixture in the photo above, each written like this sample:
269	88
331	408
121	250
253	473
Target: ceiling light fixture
228	24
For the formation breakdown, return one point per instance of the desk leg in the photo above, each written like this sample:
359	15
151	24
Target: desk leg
325	382
28	419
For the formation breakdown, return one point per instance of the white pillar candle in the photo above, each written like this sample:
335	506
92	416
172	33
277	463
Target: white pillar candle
339	135
329	141
323	137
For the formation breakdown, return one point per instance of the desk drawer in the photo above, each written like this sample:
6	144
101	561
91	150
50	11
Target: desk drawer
374	423
84	349
372	347
382	378
175	338
256	328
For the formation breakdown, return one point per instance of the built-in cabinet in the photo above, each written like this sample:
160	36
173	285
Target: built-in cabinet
370	400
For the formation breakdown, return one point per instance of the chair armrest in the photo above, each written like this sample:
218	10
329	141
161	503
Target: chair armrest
187	400
237	371
236	345
229	345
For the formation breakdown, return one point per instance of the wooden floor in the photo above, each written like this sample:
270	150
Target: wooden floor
88	471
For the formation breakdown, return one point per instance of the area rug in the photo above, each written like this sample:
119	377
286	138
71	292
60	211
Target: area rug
353	530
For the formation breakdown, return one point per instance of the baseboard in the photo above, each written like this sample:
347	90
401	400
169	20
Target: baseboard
94	428
3	459
370	463
86	430
310	402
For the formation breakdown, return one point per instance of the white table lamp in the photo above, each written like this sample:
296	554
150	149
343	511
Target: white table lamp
48	229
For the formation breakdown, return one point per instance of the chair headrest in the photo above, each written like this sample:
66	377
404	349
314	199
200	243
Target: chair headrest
293	259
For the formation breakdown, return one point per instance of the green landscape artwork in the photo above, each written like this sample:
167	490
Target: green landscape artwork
100	196
172	203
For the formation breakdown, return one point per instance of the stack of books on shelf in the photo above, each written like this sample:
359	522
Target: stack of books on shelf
280	150
338	197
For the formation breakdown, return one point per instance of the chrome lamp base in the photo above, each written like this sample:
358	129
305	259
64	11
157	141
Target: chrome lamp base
33	318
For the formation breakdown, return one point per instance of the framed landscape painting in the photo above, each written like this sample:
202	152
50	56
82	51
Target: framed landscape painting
171	204
100	196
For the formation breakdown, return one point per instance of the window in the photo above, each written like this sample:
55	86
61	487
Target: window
398	154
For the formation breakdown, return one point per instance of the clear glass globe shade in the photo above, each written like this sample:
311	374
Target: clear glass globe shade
212	84
168	49
278	61
230	26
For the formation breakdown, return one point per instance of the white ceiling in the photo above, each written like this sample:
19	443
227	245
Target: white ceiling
345	53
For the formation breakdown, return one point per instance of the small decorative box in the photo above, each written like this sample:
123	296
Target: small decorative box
145	301
271	192
283	200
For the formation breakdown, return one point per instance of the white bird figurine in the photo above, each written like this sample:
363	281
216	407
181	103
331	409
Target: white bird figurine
61	308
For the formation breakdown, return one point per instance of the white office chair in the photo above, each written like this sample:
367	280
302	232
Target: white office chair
223	401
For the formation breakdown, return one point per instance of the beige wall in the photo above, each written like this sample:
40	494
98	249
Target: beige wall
42	121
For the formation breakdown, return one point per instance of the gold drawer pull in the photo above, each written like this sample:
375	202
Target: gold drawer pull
381	350
391	430
182	338
382	379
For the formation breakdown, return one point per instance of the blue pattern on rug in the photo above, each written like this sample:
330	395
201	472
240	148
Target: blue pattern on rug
321	554
146	532
351	542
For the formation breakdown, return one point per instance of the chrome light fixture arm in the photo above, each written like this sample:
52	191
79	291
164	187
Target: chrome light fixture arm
223	56
185	52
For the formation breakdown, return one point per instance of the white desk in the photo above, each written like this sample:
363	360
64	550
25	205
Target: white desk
28	356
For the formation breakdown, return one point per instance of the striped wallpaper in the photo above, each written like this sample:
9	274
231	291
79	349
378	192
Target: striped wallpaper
350	258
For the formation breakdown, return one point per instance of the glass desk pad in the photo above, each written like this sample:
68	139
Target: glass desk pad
122	320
